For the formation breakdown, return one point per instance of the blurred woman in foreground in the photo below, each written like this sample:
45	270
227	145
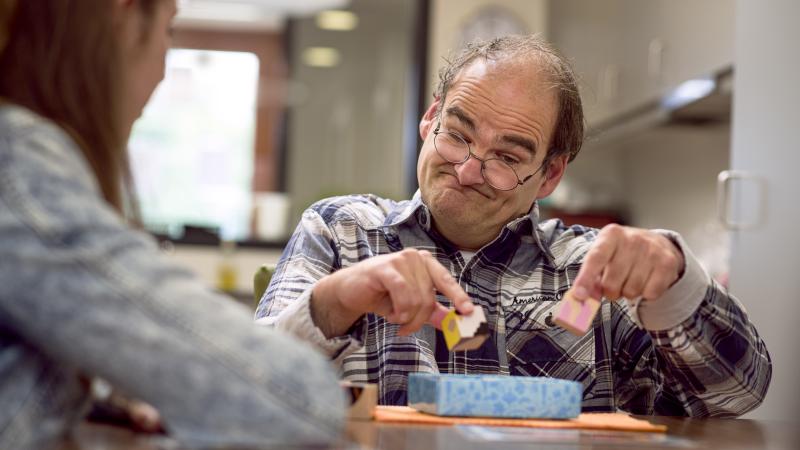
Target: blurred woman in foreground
81	294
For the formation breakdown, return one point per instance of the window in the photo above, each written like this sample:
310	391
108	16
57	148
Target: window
192	151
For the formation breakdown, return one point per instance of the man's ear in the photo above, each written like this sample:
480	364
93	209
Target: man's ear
429	119
555	170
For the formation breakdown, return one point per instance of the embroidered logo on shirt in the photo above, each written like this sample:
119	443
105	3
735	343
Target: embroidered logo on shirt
536	299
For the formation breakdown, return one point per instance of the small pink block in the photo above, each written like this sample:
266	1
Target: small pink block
575	316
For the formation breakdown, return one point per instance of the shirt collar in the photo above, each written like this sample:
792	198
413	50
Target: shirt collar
405	211
529	226
525	226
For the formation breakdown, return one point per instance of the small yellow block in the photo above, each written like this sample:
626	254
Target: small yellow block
465	332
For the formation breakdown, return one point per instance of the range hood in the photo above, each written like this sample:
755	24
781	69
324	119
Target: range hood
699	101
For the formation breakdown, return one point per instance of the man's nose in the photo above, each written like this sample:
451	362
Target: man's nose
469	172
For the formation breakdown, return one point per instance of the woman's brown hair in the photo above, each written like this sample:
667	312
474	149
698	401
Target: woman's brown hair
63	60
6	9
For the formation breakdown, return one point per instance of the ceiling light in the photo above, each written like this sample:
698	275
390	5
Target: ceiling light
321	56
337	20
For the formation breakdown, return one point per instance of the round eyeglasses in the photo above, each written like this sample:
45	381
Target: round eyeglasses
498	174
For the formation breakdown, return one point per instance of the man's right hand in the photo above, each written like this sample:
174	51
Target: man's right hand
399	286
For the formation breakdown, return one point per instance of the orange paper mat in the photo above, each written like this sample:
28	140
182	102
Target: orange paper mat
589	421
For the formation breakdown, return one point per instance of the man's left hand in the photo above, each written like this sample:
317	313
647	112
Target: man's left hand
628	262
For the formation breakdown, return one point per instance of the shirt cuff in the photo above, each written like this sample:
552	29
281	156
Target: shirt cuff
682	299
296	320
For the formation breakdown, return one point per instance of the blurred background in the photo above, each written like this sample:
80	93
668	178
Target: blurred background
270	105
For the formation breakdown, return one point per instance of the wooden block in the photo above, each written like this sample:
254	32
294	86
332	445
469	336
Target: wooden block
363	399
575	316
465	332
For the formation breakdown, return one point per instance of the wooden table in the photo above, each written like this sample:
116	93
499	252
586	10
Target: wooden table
683	433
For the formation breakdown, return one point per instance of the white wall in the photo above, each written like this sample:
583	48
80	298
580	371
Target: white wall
594	181
447	16
671	183
659	177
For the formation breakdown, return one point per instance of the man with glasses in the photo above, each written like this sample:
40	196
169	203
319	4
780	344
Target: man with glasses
364	277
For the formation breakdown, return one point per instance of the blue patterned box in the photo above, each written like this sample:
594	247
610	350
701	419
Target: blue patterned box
494	396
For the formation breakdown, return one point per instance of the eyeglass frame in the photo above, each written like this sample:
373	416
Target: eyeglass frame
437	131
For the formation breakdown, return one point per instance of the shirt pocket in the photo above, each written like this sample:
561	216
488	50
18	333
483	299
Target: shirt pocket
538	347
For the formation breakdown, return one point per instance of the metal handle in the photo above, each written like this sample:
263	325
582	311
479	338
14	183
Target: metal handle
724	181
655	59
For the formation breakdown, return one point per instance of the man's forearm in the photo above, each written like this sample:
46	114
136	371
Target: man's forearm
327	312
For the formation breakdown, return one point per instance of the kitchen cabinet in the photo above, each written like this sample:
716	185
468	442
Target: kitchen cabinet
629	53
588	34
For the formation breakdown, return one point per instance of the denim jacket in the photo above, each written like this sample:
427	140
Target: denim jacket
82	296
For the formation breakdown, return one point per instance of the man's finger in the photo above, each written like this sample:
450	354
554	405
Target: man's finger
427	297
595	289
438	314
447	285
595	261
384	308
401	292
617	270
637	278
421	317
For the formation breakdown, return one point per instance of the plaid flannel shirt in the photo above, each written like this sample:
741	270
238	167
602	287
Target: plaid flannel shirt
696	354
